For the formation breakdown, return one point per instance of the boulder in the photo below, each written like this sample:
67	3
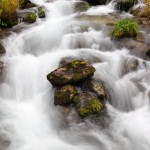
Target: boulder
8	15
87	104
71	73
2	49
125	5
81	6
30	18
26	4
96	87
65	95
41	12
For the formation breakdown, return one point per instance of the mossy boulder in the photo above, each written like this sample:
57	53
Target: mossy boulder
96	87
65	95
71	73
125	28
8	15
125	5
87	104
25	4
81	6
41	12
30	18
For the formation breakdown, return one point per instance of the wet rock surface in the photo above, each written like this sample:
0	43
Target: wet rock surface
65	95
87	104
71	73
81	6
87	96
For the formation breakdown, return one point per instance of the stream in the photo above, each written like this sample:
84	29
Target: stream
28	118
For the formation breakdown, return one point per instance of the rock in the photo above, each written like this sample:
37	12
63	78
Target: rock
132	65
87	104
41	12
1	67
108	20
2	49
97	2
136	48
26	4
125	5
8	15
140	37
71	73
95	87
81	6
30	18
148	52
65	95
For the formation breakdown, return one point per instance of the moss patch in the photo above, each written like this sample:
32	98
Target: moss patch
125	28
30	18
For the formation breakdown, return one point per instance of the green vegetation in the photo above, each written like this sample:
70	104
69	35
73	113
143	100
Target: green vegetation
30	18
8	12
93	107
125	28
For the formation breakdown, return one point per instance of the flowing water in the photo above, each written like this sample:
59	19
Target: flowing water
28	118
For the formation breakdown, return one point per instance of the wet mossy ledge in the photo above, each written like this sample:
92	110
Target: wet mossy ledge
74	86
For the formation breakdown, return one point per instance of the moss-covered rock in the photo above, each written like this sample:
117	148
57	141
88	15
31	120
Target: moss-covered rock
30	18
41	12
71	73
8	15
81	6
125	5
87	104
95	87
25	4
65	95
125	28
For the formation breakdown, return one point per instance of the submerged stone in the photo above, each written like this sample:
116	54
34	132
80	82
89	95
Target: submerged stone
81	6
87	104
71	73
65	95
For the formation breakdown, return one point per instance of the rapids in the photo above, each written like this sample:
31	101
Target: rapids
28	118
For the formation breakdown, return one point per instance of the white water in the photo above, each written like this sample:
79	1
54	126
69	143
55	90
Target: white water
28	118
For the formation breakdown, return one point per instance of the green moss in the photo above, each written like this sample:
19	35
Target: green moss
125	28
77	63
30	18
8	15
65	95
93	107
